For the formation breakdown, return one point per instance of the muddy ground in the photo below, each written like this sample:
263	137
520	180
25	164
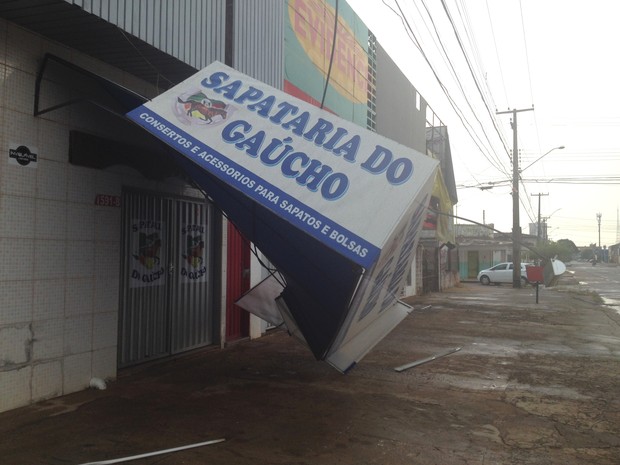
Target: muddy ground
532	384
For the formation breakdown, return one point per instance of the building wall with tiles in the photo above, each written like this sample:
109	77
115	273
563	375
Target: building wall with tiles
59	252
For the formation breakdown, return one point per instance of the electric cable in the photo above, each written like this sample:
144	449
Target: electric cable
473	75
455	107
589	180
467	26
501	71
272	271
530	213
146	60
331	59
458	81
491	228
529	72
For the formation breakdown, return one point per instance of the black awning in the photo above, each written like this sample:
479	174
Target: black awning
152	158
60	83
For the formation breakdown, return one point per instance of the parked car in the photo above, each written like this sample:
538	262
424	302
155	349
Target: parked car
501	273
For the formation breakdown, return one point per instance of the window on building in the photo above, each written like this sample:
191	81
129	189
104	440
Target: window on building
371	114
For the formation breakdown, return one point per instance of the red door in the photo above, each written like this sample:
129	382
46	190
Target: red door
237	282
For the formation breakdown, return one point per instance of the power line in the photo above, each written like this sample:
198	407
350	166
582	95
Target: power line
529	213
331	58
458	112
458	81
475	79
589	180
529	72
501	72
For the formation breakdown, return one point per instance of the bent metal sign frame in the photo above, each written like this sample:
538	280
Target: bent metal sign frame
340	183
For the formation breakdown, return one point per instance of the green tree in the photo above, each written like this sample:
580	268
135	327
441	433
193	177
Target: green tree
570	244
564	250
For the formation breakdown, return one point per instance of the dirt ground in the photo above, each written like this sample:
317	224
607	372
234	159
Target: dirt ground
532	384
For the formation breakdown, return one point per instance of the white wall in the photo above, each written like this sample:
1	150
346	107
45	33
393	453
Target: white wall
60	254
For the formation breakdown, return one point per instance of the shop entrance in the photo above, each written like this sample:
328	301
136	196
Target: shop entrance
166	282
473	265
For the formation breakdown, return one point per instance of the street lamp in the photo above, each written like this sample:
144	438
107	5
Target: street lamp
516	227
561	147
516	175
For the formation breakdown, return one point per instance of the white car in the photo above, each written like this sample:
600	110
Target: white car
501	273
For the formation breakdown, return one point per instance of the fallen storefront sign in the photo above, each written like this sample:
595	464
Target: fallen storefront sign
336	208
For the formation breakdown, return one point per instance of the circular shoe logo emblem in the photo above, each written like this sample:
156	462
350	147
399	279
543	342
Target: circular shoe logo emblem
197	108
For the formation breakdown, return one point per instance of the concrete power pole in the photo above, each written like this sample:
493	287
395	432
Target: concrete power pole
538	224
516	227
598	219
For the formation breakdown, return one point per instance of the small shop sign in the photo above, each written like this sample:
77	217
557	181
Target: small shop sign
22	155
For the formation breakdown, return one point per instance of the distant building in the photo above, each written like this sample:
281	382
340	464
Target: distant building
614	253
540	233
482	247
439	267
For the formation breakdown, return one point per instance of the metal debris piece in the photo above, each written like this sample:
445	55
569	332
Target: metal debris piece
151	454
427	359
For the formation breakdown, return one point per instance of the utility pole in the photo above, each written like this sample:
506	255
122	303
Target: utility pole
538	224
516	227
598	218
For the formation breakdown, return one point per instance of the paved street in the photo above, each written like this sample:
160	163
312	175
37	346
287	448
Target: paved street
532	384
603	280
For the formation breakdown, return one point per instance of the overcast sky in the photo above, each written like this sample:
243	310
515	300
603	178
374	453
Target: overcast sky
559	56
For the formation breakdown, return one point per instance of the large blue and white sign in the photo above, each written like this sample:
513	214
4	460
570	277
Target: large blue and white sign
323	174
337	208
